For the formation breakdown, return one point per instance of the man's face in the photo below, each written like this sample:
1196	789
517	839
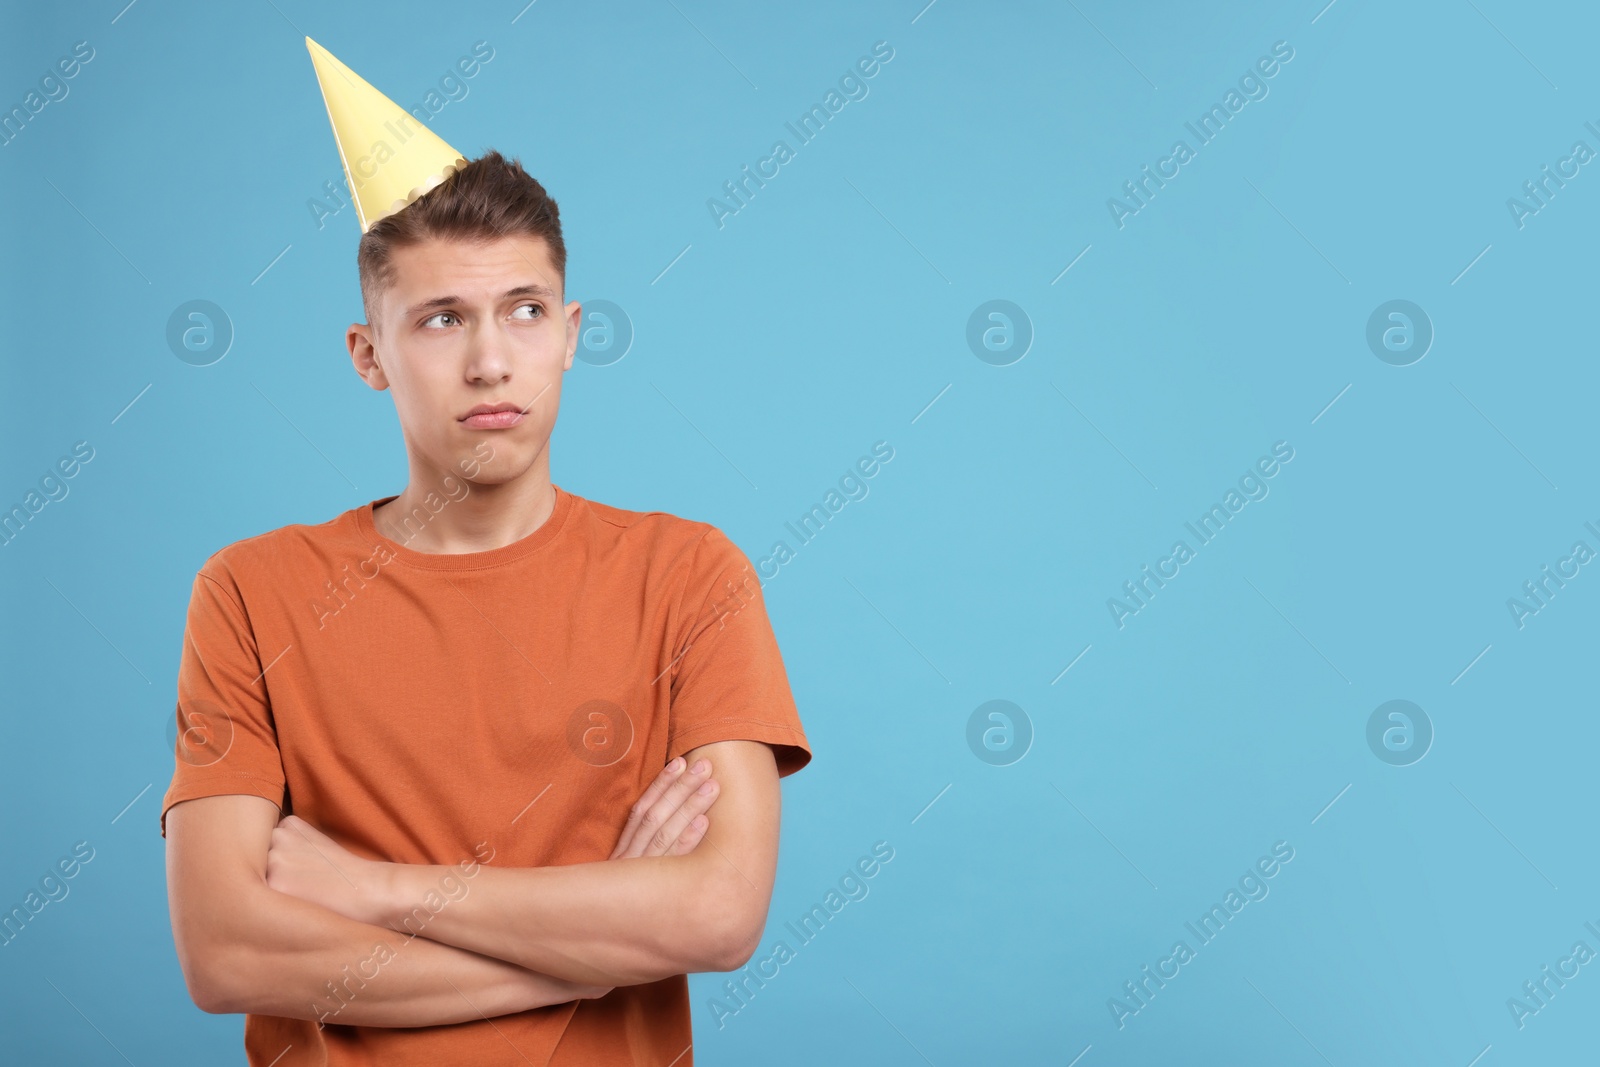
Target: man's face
464	325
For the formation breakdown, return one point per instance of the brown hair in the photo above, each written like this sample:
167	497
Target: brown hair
489	198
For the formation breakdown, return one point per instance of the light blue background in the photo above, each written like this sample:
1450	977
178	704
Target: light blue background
826	315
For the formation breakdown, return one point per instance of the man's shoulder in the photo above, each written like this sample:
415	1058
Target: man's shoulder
657	529
664	535
271	550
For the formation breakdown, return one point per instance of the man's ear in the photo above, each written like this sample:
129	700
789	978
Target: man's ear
574	312
364	354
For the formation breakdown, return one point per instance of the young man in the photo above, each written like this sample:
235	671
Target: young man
444	761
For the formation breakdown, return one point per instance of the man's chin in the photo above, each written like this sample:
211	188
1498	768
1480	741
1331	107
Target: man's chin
492	462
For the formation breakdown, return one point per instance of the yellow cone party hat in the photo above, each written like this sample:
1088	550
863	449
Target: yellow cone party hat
390	158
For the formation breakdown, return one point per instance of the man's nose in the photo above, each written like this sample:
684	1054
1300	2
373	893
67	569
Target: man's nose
489	354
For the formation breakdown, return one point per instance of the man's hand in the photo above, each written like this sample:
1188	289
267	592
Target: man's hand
669	817
304	862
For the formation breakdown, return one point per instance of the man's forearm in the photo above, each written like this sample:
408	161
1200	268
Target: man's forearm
608	923
294	959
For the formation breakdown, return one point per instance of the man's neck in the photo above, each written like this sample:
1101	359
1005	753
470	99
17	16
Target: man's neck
474	518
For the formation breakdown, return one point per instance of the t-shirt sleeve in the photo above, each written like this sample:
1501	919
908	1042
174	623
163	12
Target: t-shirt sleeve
226	739
728	678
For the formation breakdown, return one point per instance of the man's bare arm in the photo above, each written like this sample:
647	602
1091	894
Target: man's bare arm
606	923
245	946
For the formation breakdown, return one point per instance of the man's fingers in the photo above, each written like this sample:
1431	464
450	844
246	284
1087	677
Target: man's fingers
666	836
646	801
654	827
661	825
691	837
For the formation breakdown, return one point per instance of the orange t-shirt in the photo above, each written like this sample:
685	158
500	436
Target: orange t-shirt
435	708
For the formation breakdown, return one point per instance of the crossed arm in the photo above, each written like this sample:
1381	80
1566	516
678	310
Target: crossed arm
269	914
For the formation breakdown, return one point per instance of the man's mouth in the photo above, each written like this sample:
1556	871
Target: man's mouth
493	416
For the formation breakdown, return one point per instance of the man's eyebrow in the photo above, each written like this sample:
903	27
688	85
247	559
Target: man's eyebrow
510	294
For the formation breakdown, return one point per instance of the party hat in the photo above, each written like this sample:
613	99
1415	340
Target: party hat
390	158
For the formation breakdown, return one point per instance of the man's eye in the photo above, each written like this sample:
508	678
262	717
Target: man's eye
535	307
441	315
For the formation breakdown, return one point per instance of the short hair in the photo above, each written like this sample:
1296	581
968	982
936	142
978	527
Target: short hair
489	198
